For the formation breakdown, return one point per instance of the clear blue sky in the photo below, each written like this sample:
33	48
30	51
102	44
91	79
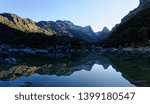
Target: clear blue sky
97	13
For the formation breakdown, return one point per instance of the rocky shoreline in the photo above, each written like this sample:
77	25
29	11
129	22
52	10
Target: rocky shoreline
65	52
127	49
60	51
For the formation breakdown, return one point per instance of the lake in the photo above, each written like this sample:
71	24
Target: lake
113	69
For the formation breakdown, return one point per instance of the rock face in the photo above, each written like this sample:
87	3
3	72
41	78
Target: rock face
144	2
89	31
134	28
143	5
102	34
67	28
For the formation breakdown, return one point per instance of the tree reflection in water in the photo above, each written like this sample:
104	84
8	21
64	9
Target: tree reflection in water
110	69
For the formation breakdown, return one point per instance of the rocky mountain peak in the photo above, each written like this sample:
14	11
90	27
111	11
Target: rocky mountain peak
87	29
102	34
143	2
105	30
9	16
65	22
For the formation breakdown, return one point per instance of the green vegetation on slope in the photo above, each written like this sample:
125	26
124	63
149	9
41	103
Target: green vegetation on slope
25	25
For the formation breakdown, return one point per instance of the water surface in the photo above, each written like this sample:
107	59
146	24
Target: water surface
82	70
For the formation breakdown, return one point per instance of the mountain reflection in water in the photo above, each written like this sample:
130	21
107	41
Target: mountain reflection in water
88	70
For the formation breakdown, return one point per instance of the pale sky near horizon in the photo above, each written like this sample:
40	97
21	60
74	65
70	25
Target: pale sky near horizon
97	13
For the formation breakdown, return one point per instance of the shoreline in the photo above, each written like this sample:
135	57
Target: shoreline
6	55
65	52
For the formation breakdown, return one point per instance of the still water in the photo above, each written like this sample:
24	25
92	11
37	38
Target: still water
82	70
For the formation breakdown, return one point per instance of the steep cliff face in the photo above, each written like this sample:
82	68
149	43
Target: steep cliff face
142	5
144	2
134	28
